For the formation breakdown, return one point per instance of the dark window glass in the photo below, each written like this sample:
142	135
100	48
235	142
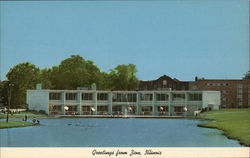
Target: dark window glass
71	96
162	97
102	96
54	96
146	108
87	96
195	97
146	97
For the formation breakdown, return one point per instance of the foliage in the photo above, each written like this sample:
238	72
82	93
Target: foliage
22	77
247	76
123	77
74	72
71	73
3	93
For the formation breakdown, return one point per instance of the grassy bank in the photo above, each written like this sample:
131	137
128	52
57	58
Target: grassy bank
22	114
12	124
234	122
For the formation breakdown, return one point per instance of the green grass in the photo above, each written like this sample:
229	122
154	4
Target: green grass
22	114
12	124
234	122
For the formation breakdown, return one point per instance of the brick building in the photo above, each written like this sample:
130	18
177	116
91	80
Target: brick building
163	83
234	93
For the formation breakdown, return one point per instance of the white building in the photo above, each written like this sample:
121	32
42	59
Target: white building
94	102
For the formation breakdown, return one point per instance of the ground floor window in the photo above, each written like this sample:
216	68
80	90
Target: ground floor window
179	109
131	109
162	108
146	109
55	109
86	110
102	110
117	109
72	110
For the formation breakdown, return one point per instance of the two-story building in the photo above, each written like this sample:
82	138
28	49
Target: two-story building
95	102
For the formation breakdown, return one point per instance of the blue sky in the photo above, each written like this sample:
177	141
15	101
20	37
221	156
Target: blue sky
181	39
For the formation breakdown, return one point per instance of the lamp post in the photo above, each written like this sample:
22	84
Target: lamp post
9	99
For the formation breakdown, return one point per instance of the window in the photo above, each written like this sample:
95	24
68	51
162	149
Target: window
162	97
146	97
131	97
224	91
102	108
179	109
124	97
195	97
86	108
146	108
117	108
71	96
163	108
87	96
102	96
54	96
178	97
55	108
72	108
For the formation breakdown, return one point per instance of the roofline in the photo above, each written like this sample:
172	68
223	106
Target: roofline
175	91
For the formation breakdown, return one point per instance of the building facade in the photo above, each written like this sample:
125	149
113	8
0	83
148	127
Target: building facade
163	83
234	93
93	102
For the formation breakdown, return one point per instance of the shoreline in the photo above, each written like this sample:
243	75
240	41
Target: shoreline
230	129
223	133
15	124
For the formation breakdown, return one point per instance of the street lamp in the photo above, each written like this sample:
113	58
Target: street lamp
9	99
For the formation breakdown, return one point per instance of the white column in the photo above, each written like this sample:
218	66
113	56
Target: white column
110	103
95	101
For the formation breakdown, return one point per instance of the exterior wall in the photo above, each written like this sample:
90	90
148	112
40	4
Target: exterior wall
234	93
142	102
211	99
38	100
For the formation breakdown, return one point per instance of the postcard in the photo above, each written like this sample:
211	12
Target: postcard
134	78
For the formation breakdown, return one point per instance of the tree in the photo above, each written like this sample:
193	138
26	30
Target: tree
74	72
247	76
123	77
45	79
22	76
4	93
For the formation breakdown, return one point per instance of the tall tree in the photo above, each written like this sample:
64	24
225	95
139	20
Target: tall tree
20	78
74	72
123	77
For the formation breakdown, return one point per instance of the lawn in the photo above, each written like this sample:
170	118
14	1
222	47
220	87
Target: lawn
234	122
22	114
11	124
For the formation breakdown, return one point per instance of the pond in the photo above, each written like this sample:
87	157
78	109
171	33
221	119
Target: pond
115	132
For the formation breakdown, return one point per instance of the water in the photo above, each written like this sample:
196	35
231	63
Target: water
110	132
